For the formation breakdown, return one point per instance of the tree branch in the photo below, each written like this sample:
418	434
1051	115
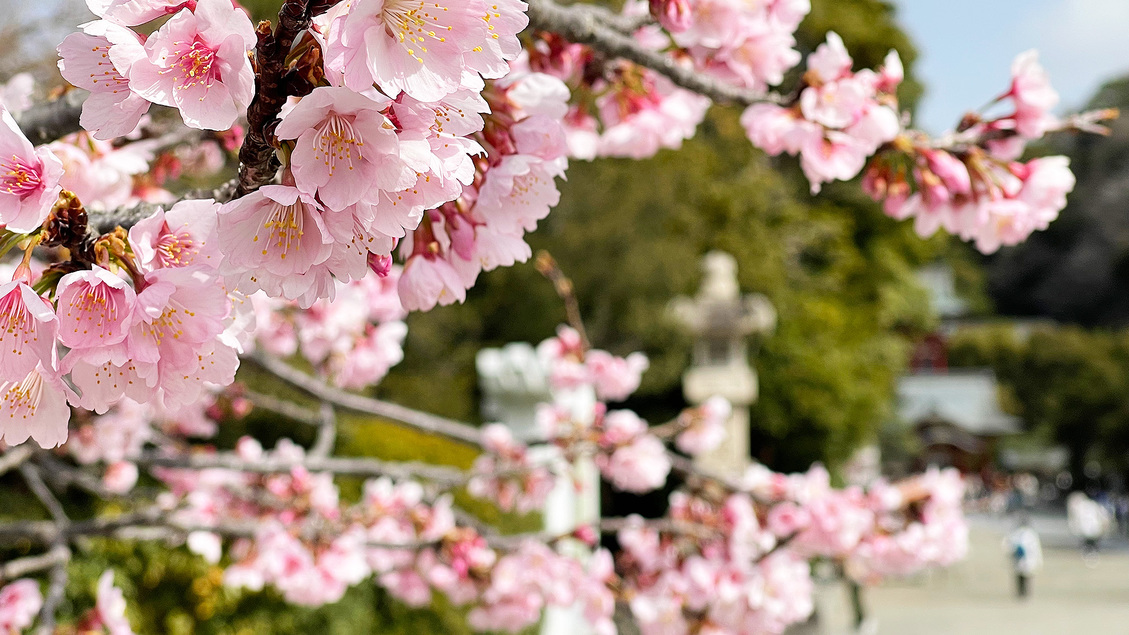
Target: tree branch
394	412
48	121
31	564
327	432
15	457
341	466
125	217
585	25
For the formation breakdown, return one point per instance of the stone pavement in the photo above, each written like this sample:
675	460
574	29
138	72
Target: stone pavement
977	596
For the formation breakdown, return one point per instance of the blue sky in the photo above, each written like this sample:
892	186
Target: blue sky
967	46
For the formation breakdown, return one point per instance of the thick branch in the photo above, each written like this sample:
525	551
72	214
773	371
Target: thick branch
585	25
125	217
48	121
257	161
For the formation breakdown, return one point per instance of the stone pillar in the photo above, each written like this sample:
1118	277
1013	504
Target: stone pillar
722	321
513	381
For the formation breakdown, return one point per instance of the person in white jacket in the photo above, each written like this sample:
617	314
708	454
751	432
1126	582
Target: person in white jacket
1087	519
1026	552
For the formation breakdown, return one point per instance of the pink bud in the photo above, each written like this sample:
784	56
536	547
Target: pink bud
380	264
585	534
22	274
673	15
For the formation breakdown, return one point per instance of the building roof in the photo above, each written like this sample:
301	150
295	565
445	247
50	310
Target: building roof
965	399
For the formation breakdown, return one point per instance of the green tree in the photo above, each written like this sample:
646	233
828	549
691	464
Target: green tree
1067	383
630	234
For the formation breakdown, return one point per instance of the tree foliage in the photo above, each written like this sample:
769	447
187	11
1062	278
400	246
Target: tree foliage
837	270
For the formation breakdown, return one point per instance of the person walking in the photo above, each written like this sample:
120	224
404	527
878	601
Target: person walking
1088	520
1026	555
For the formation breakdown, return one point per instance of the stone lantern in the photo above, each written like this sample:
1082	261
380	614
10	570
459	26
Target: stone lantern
722	321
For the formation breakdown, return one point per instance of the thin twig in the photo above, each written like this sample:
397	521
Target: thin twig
341	466
31	564
288	409
548	267
394	412
327	432
55	591
14	458
43	493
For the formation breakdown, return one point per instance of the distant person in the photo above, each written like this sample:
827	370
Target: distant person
1088	520
1026	555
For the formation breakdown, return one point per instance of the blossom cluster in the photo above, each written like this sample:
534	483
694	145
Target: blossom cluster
507	475
739	564
841	118
505	194
21	601
624	110
974	186
195	62
631	111
311	545
149	323
352	340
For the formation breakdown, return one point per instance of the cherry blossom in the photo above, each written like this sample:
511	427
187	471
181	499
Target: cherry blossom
28	333
34	407
99	59
421	48
20	602
345	147
29	179
197	62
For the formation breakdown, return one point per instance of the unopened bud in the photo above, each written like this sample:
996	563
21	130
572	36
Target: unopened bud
673	15
380	264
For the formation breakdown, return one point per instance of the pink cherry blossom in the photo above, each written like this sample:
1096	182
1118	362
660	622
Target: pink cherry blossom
28	328
672	15
34	407
197	62
99	59
1034	97
135	12
615	378
270	235
344	147
427	281
20	602
29	179
95	308
833	157
99	174
182	236
775	129
830	61
421	48
705	426
638	466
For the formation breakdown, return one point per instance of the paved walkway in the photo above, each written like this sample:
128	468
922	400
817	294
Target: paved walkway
977	596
